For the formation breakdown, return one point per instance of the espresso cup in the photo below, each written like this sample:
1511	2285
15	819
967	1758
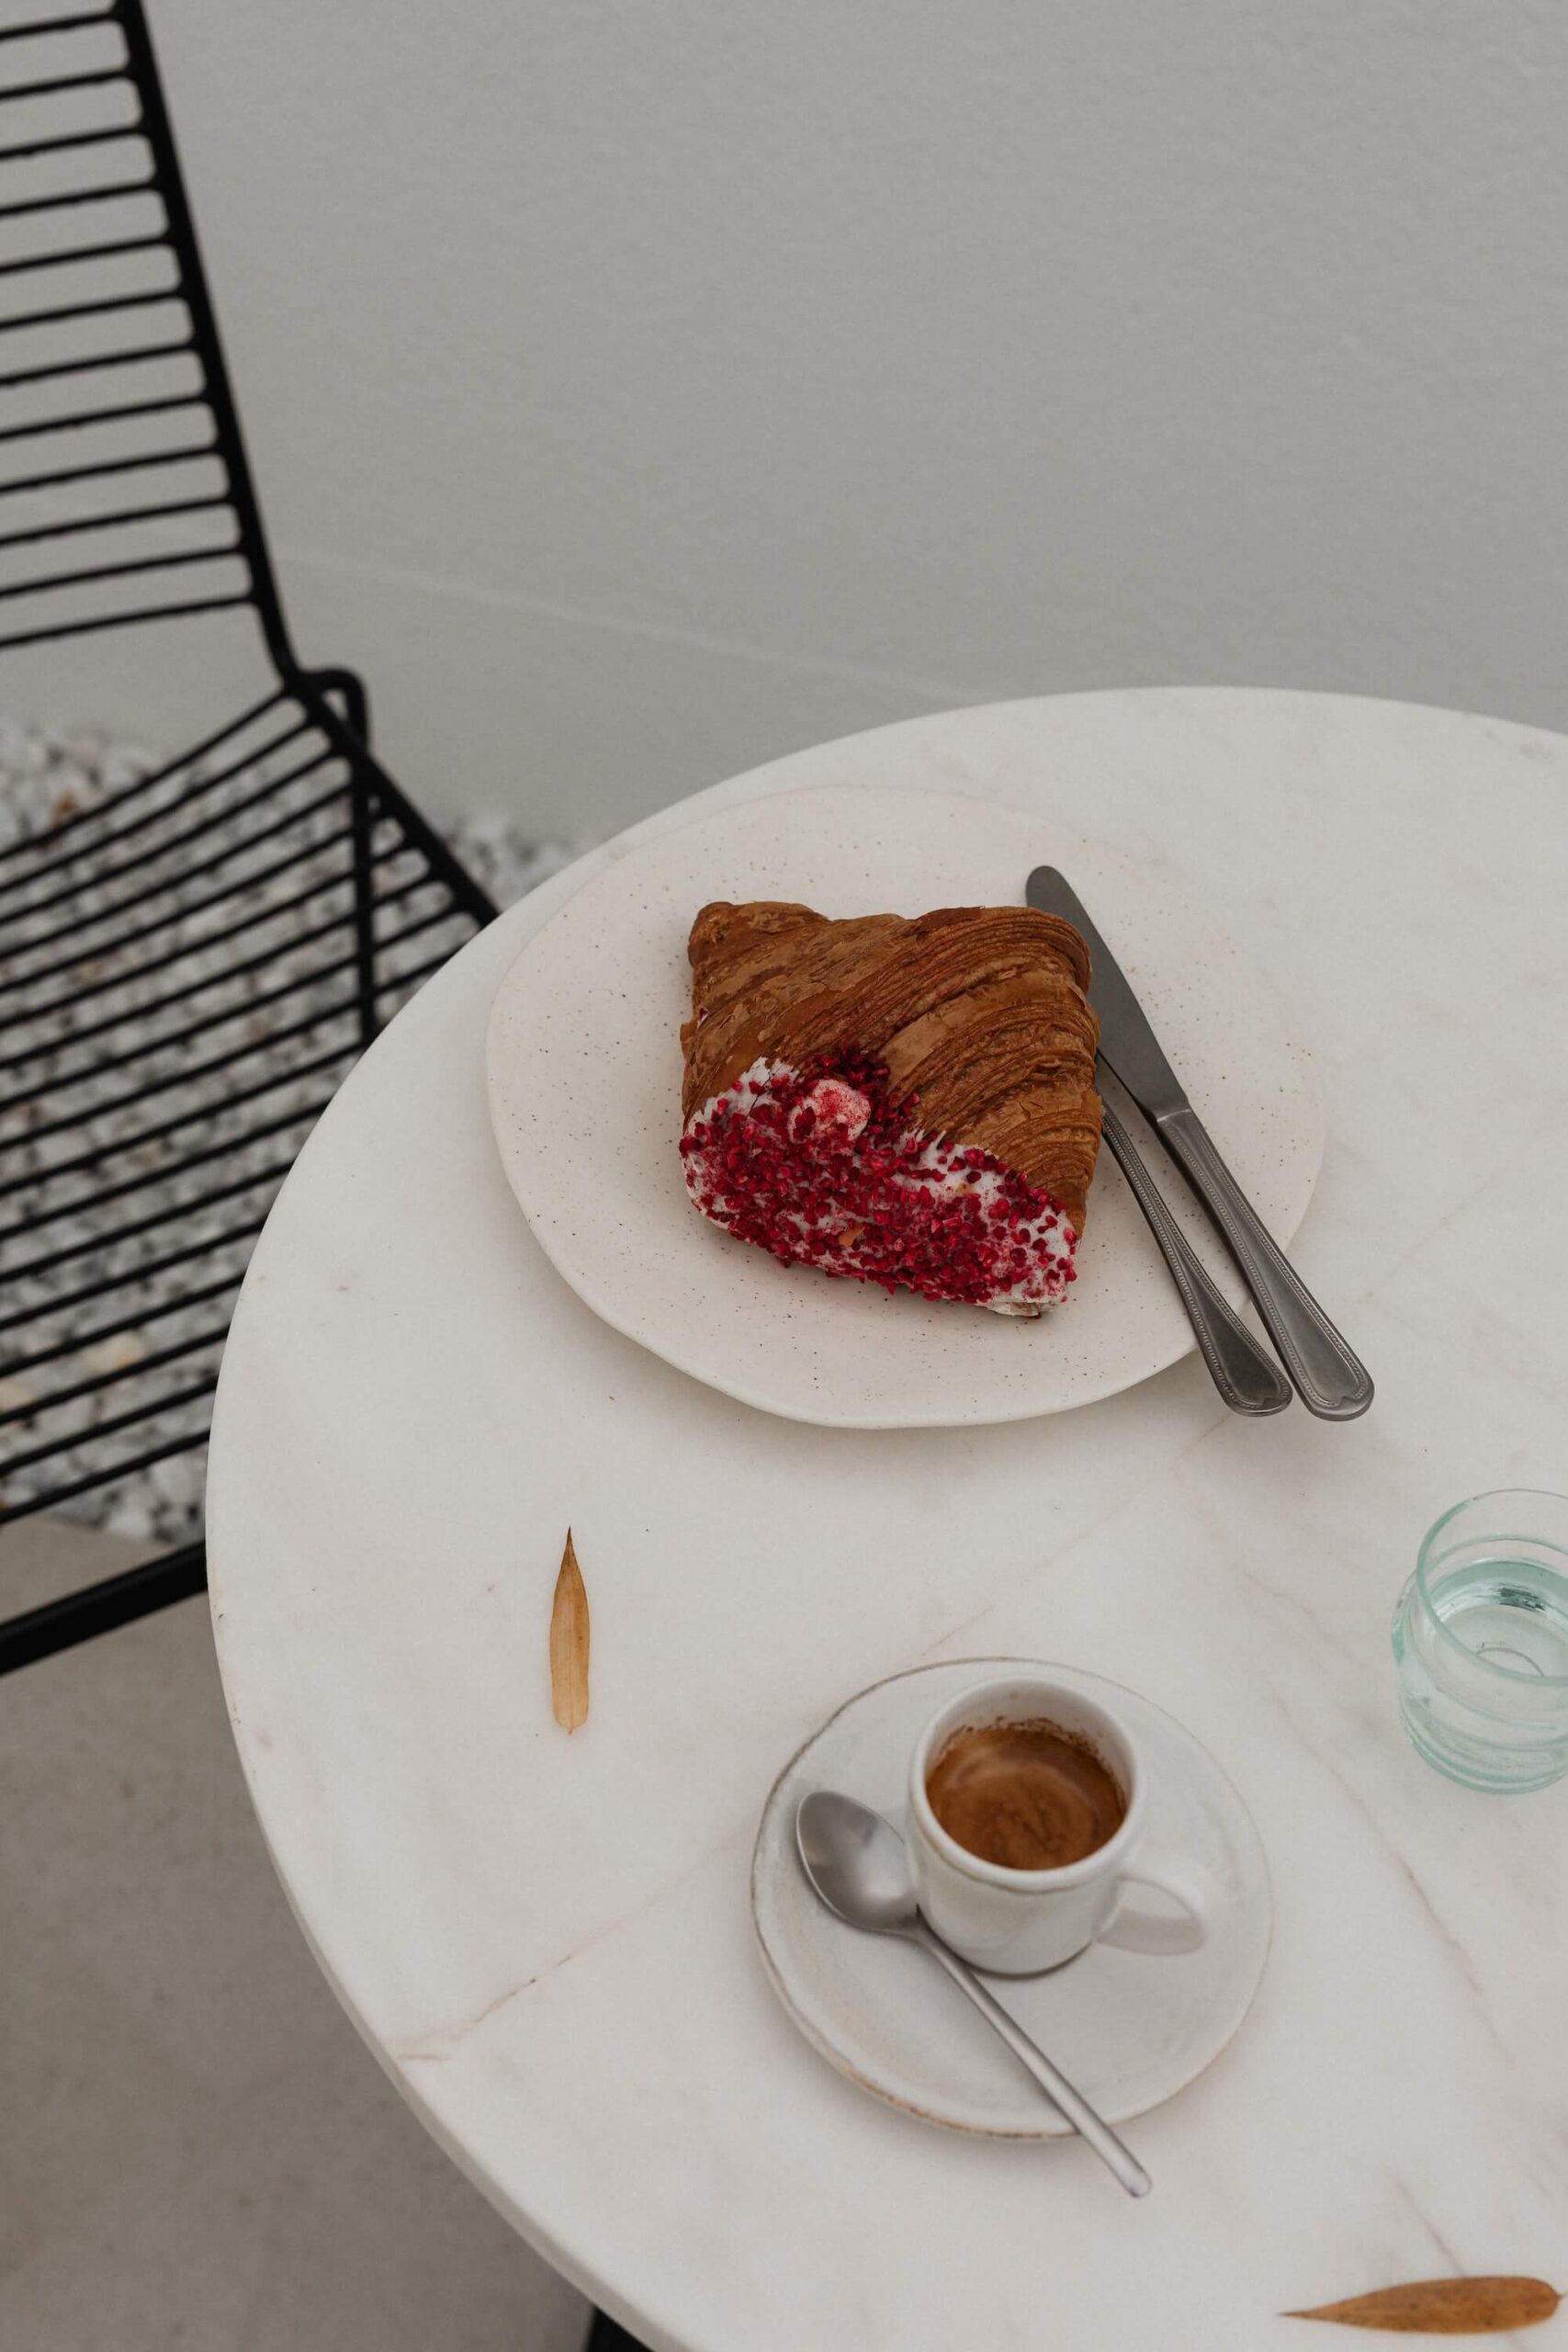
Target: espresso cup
1017	1922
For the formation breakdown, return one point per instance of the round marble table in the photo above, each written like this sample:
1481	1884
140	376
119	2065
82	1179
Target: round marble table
547	1941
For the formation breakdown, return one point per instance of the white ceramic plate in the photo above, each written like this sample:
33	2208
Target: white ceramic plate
1129	2030
584	1068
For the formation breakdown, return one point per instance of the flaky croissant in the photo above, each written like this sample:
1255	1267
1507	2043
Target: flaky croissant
904	1102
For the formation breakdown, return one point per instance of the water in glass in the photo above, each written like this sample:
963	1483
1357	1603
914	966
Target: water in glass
1480	1638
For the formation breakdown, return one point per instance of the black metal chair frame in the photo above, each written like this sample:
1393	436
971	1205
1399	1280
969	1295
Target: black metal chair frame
291	782
344	801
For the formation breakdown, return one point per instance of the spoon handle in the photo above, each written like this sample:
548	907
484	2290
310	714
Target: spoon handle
1112	2152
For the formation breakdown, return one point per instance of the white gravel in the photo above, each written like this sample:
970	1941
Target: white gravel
45	774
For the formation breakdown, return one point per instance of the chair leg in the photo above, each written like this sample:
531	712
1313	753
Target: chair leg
606	2337
117	1601
346	688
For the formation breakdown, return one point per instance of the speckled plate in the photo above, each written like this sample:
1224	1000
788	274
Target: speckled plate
584	1066
1128	2029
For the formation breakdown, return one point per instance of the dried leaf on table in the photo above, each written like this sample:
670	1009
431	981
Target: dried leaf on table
569	1643
1445	2307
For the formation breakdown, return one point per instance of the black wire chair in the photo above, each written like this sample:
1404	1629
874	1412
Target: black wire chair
223	936
189	965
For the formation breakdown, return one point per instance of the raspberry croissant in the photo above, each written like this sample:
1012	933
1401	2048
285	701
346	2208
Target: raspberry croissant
905	1102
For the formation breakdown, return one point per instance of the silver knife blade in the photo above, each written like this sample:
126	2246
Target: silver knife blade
1126	1041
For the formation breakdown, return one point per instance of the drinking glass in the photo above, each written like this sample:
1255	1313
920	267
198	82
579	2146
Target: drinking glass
1480	1641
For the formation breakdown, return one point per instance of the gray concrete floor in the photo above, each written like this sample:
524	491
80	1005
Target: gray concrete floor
196	2149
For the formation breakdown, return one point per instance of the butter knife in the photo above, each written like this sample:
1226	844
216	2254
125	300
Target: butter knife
1328	1376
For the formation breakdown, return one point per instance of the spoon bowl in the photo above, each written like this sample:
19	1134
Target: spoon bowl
857	1863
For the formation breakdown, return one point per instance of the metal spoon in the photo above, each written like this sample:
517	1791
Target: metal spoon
859	1865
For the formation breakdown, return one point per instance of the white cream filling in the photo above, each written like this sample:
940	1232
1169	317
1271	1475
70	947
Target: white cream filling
1049	1234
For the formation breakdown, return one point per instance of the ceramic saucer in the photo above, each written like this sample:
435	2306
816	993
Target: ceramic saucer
1129	2030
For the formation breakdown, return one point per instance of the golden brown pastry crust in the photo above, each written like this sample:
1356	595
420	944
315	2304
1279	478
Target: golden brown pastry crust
979	1012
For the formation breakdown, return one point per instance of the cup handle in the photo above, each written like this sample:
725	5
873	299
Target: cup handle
1180	1883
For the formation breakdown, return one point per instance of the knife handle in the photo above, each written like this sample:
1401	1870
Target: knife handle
1331	1381
1245	1374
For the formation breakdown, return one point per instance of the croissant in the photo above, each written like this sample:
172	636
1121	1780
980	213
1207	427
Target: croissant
905	1102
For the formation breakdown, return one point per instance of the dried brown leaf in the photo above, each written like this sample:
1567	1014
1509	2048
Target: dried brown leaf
569	1643
1445	2307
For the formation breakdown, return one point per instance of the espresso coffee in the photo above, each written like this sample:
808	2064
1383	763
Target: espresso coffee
1027	1796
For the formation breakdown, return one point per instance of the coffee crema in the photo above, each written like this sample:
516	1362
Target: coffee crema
1027	1796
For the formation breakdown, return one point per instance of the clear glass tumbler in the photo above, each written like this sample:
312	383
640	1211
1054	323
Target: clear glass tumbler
1481	1640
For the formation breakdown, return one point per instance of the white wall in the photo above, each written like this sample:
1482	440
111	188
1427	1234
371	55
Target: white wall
642	388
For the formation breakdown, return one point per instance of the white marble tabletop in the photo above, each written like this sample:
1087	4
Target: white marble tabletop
547	1940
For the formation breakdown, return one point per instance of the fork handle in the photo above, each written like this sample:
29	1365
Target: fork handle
1330	1380
1245	1374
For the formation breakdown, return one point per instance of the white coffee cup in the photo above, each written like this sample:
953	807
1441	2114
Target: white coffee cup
1016	1923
